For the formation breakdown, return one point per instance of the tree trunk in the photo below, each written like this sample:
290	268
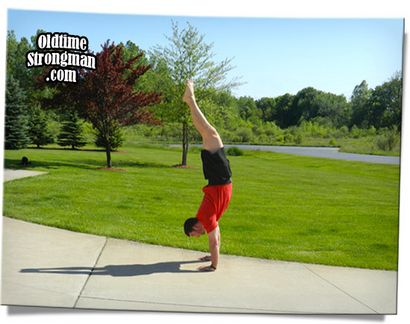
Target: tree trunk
185	143
108	154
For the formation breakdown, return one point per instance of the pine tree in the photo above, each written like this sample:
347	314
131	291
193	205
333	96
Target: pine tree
38	128
71	131
16	118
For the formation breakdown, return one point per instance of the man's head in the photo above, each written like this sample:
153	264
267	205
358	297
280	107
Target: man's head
192	227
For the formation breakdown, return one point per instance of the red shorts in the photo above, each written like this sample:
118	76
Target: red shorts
215	202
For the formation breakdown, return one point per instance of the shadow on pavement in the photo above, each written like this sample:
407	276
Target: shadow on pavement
126	270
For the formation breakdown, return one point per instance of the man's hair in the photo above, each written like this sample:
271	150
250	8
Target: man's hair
189	224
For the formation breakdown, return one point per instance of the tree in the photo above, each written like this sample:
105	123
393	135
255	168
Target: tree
114	140
266	106
188	57
385	104
312	104
71	131
304	105
106	97
281	112
359	101
16	60
248	110
220	107
16	123
38	130
333	108
16	66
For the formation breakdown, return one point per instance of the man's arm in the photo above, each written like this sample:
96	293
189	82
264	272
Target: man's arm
214	239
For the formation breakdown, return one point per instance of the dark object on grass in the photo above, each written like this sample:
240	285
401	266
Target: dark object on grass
234	151
24	161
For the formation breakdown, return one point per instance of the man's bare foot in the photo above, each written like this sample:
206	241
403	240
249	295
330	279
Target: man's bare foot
189	92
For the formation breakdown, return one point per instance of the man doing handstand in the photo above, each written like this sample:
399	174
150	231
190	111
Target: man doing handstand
218	192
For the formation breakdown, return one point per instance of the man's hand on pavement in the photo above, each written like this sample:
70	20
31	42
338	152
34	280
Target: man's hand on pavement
207	268
205	258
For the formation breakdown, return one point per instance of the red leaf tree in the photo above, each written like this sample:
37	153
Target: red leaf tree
106	96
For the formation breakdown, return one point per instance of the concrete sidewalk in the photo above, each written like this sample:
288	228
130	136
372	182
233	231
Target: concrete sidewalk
9	174
45	266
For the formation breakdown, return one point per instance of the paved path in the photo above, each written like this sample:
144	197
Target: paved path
10	174
321	152
45	266
324	152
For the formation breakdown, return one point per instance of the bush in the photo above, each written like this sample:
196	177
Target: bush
289	138
356	132
332	142
234	151
388	140
299	139
339	132
244	134
371	131
280	138
314	129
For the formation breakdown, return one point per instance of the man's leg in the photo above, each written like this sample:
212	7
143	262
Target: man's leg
210	137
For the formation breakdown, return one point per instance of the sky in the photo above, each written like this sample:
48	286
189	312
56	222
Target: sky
272	56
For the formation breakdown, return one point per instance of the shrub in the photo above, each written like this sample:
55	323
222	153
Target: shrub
289	138
299	139
244	134
340	132
280	138
263	139
332	142
371	131
356	132
388	140
234	151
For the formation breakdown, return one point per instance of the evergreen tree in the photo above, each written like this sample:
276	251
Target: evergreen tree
16	118
38	128
71	131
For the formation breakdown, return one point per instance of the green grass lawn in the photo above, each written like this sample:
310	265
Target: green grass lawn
283	207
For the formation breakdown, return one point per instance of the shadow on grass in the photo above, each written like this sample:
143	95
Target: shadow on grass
126	270
64	149
15	164
86	164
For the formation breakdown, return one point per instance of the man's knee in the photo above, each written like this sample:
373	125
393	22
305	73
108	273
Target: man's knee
212	136
212	142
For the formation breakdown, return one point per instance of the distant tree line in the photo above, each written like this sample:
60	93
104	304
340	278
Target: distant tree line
379	107
135	86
